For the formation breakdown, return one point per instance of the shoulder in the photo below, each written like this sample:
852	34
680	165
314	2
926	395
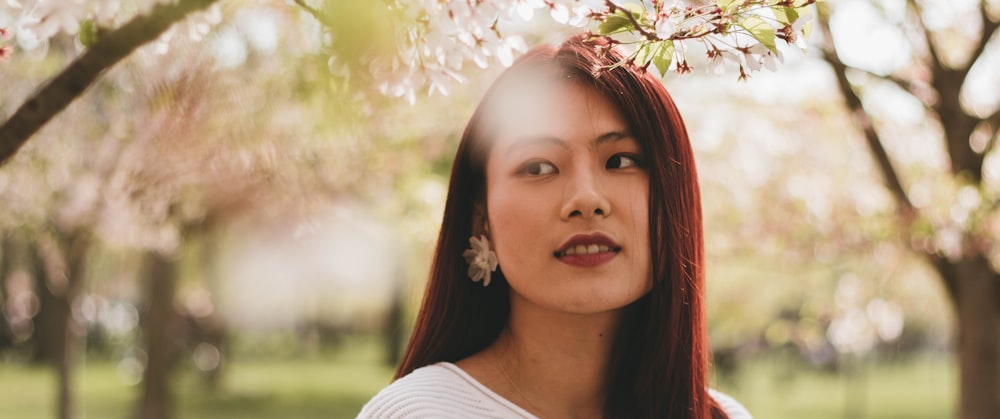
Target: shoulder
423	392
733	408
440	391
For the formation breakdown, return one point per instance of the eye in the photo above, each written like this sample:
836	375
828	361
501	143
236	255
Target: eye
537	168
622	161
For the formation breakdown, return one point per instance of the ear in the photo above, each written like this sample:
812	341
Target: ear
480	220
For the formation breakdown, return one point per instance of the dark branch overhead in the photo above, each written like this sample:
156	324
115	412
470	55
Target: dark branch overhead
993	131
989	29
864	121
315	13
62	90
918	13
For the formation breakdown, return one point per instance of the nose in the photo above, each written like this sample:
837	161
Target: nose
585	197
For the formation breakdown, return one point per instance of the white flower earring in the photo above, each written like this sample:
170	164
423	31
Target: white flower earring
482	260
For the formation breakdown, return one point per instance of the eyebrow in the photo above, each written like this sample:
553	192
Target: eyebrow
608	137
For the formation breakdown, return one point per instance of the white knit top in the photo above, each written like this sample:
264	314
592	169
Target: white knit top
445	391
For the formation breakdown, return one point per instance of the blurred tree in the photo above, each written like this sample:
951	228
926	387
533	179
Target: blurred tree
56	202
71	83
62	256
8	264
180	169
407	45
940	59
160	329
150	180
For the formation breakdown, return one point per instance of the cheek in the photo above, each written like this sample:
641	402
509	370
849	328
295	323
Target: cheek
640	222
512	218
638	209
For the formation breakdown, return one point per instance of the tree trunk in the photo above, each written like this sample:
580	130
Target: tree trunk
59	264
47	335
159	327
70	84
210	329
978	309
394	327
7	244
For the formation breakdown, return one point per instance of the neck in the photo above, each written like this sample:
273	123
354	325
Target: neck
557	361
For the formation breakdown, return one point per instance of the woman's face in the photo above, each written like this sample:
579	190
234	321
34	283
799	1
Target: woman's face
567	202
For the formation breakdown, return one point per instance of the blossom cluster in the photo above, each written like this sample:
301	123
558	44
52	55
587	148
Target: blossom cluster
441	37
735	32
444	35
5	50
34	22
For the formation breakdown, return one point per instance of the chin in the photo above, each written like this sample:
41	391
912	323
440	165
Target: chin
602	301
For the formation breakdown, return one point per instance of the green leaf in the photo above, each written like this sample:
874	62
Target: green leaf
619	21
88	33
784	14
614	24
760	30
637	9
644	53
807	29
728	5
658	53
664	55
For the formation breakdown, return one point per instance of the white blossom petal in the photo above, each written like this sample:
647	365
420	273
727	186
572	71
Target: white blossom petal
665	28
731	56
581	16
525	10
717	66
516	43
801	22
504	55
559	12
752	62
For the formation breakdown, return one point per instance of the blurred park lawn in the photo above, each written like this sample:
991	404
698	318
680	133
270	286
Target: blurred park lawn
336	385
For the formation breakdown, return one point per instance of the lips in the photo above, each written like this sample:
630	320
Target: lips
584	245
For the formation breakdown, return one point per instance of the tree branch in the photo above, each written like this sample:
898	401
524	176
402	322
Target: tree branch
315	13
612	7
905	207
931	48
989	28
948	81
994	122
62	90
946	271
908	86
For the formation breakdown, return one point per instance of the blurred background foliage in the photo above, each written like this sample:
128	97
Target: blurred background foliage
241	227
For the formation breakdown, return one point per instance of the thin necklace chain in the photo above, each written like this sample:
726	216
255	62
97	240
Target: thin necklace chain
496	357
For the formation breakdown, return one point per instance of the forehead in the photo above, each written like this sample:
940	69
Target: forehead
560	109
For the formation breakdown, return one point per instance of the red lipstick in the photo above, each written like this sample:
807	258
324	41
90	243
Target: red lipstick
587	250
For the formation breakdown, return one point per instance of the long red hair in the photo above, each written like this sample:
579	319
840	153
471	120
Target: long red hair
660	356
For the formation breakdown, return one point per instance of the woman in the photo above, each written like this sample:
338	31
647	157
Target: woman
567	279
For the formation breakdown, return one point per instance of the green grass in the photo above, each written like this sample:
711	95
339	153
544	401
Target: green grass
337	385
922	387
328	385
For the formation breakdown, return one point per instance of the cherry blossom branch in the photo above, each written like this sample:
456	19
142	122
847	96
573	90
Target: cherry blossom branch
918	13
315	13
741	31
911	87
994	122
612	8
989	27
905	206
5	50
62	90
